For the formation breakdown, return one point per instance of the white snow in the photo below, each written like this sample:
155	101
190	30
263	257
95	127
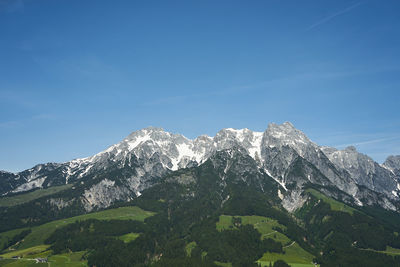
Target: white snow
86	170
276	179
358	202
256	145
185	150
239	133
387	168
280	195
30	185
138	141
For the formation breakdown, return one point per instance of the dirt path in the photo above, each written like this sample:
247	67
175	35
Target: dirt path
290	245
270	233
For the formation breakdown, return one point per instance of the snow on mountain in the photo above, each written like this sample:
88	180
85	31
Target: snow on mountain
178	150
283	144
392	163
364	170
146	155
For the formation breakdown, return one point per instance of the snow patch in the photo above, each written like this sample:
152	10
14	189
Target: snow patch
280	195
30	185
358	202
276	179
140	139
255	149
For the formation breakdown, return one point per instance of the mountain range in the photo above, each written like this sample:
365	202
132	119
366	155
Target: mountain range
283	153
240	198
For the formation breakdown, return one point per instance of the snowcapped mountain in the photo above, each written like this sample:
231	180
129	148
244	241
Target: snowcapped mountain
284	153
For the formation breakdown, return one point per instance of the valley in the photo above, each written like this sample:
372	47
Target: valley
241	198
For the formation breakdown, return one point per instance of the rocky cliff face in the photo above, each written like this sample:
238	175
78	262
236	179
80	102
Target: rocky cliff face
282	153
392	163
283	144
364	171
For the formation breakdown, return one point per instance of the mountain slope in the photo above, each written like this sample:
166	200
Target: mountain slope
142	159
188	205
393	164
364	170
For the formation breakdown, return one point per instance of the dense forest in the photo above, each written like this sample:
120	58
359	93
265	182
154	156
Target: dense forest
182	231
182	219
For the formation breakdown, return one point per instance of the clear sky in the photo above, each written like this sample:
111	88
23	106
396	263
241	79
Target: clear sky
77	76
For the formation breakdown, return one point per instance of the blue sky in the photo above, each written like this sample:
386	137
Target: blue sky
78	76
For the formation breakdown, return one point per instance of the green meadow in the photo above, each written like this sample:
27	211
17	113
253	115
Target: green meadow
335	205
73	259
24	198
389	251
40	233
128	237
294	254
33	244
263	225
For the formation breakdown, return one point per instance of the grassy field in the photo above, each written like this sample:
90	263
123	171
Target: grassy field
73	259
389	251
264	225
33	244
3	262
128	237
335	205
392	251
40	233
4	237
22	263
23	198
25	253
294	254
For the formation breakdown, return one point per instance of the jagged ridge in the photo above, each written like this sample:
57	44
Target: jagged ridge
125	169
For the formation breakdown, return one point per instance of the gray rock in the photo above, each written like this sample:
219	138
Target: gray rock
282	152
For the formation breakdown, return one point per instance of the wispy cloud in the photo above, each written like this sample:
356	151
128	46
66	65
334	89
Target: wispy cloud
377	145
311	73
332	16
278	83
369	142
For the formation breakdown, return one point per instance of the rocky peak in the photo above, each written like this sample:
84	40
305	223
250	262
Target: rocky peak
146	155
287	135
351	149
363	169
283	144
392	163
247	139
